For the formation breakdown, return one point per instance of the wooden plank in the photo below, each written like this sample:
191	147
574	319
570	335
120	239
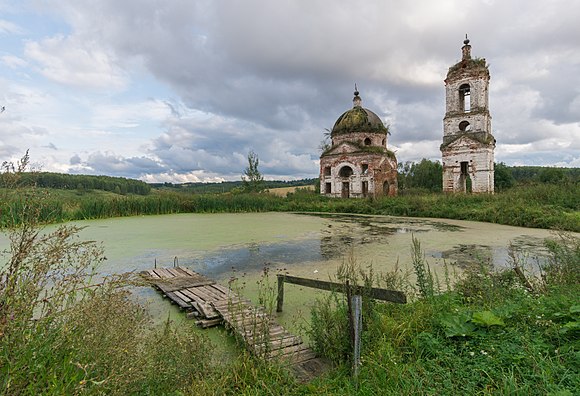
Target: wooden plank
188	271
182	296
375	293
158	272
192	296
150	274
182	272
289	350
288	340
206	310
200	294
221	291
224	289
210	292
205	323
164	274
174	272
177	300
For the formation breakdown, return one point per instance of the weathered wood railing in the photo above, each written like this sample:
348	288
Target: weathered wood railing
374	292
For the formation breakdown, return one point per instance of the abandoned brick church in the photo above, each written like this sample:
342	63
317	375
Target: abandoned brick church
358	162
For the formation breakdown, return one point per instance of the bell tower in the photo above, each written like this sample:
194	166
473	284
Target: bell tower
468	144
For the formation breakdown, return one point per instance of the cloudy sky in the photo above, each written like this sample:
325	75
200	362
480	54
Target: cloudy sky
182	90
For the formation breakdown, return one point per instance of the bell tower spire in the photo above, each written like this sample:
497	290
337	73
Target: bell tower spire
466	49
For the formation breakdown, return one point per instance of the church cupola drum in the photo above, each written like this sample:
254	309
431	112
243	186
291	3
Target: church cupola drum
358	164
468	144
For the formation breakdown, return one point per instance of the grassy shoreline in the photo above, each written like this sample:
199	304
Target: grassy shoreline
537	206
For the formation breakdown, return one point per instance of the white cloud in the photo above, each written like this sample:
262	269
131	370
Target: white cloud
7	27
12	61
81	64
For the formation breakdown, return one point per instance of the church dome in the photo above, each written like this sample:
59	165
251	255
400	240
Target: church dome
358	119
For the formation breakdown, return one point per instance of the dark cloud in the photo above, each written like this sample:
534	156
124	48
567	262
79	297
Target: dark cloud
114	165
271	76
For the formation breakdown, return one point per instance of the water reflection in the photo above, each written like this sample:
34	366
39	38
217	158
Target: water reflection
337	237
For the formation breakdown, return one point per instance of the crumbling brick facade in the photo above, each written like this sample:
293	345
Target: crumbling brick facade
468	144
358	163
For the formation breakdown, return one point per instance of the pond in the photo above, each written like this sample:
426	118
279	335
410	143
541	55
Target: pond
222	246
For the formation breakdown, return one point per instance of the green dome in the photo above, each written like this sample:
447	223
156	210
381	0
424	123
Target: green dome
358	119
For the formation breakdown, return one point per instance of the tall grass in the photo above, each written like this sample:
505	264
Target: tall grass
490	335
538	206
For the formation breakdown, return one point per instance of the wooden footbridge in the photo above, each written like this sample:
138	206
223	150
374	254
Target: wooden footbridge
213	304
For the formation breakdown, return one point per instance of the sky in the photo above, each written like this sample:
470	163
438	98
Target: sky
182	90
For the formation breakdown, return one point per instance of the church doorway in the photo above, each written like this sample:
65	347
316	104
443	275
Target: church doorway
386	188
345	193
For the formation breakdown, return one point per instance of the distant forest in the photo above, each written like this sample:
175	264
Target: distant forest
413	177
216	188
64	181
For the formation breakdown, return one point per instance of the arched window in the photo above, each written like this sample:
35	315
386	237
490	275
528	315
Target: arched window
465	98
367	142
345	171
464	126
384	142
327	171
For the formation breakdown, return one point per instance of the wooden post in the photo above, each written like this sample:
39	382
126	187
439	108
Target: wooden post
280	299
357	327
350	315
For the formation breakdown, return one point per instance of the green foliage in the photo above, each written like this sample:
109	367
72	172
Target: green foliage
487	319
551	176
119	185
426	175
425	283
502	177
252	180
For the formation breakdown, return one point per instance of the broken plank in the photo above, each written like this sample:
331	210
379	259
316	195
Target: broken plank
177	300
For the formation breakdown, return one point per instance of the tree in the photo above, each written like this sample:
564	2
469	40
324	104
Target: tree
551	175
502	177
252	180
427	175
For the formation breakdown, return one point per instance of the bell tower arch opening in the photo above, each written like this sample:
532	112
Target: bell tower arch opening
465	98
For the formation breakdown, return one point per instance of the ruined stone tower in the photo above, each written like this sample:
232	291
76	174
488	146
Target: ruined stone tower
468	144
358	163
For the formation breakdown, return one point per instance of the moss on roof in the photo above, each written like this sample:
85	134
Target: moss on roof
475	63
358	119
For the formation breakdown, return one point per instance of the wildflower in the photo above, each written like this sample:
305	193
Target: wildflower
471	353
483	352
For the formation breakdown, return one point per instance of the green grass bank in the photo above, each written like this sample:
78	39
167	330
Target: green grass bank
540	206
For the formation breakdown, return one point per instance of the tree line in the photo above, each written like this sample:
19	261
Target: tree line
63	181
427	176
